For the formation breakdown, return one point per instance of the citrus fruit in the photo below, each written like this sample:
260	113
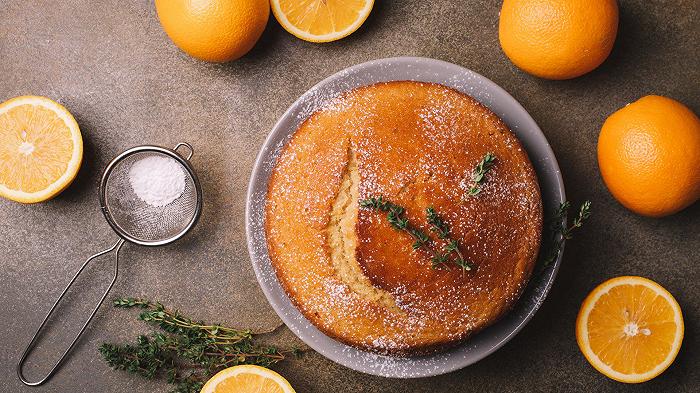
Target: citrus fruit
214	30
558	39
247	379
321	20
40	149
630	329
649	156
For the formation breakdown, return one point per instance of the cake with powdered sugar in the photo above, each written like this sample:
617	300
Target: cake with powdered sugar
403	285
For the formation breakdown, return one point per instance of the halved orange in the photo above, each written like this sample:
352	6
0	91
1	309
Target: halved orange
321	20
41	149
630	329
247	379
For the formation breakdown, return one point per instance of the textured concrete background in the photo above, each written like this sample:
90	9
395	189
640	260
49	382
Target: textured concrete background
112	66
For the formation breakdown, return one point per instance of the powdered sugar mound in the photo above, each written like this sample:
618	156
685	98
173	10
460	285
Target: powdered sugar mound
157	180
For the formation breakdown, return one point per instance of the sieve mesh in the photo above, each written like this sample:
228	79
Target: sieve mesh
136	218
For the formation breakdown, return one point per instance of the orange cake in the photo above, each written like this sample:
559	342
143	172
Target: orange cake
357	277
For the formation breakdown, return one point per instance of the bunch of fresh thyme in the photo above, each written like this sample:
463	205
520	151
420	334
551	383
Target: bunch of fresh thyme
479	173
188	353
396	218
561	231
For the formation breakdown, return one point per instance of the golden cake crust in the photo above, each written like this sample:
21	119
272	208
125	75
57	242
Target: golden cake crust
416	144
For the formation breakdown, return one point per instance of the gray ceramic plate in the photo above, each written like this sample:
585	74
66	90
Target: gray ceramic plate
417	69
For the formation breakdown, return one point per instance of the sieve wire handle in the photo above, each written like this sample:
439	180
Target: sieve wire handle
116	247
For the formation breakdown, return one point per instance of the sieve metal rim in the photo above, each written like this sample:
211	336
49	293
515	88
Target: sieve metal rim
158	149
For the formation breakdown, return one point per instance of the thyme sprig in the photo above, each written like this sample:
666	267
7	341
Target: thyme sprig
561	230
397	219
479	173
438	225
187	353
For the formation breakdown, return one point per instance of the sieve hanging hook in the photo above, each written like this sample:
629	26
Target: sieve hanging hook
188	146
128	229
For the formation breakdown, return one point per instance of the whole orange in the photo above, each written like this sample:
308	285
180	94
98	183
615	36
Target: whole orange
214	30
649	156
558	39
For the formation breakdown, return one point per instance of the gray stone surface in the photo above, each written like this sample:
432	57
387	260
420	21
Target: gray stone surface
110	63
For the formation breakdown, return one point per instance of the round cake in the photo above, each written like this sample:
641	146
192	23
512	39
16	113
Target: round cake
403	217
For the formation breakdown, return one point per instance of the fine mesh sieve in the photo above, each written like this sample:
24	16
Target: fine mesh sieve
135	221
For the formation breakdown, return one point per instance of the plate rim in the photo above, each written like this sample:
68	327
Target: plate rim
268	148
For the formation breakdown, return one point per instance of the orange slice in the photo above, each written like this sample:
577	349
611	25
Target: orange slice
321	20
247	379
630	329
40	149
